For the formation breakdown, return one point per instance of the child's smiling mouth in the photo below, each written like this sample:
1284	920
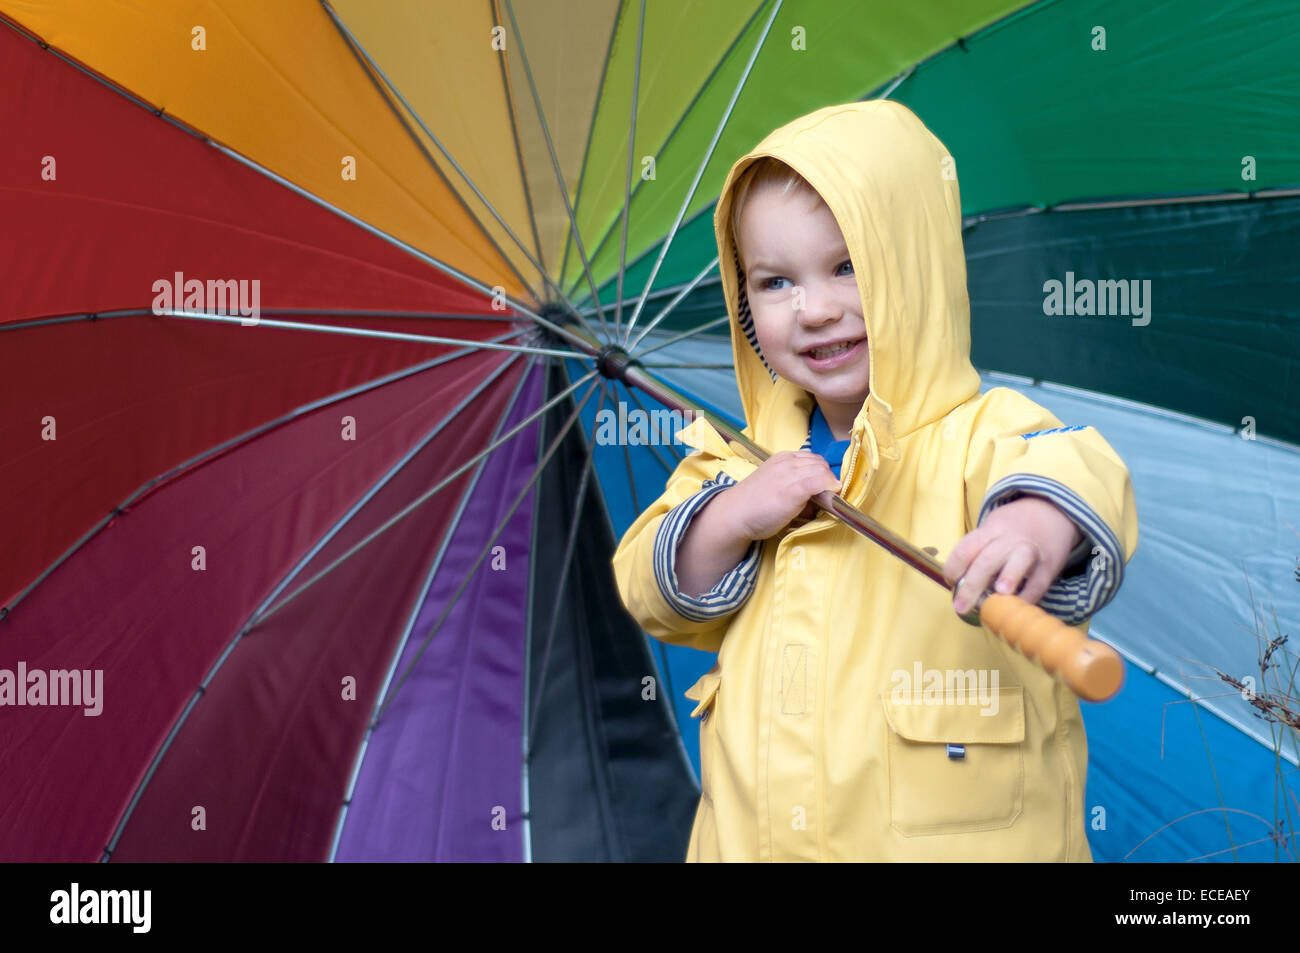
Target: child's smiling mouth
825	358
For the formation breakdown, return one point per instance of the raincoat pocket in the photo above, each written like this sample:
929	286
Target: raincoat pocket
955	768
705	692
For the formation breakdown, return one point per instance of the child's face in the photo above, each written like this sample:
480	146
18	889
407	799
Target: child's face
792	244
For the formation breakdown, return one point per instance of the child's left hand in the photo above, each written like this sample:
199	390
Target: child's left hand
1026	540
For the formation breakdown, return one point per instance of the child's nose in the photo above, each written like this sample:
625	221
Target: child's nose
819	308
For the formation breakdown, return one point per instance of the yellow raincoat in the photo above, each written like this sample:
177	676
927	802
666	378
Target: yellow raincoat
851	714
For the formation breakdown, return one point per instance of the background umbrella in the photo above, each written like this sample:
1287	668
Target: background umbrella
399	169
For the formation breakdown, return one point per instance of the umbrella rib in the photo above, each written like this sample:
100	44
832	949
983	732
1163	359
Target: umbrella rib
627	187
636	508
418	604
561	578
363	59
262	611
677	299
663	292
671	449
355	313
328	312
669	290
360	51
235	441
81	316
446	614
555	164
505	520
591	133
681	119
508	91
699	173
253	620
525	793
411	507
379	233
703	367
370	333
685	334
627	456
631	476
449	270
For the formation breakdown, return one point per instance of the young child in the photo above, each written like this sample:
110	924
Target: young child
852	715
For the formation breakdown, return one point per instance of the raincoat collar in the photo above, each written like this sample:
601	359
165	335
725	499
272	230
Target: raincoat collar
892	188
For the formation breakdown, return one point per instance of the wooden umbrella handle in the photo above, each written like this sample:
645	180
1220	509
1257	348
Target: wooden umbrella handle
1092	669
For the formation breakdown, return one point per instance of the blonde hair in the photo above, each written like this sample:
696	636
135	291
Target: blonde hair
764	171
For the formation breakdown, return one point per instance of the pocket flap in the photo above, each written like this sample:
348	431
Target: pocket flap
1000	720
704	690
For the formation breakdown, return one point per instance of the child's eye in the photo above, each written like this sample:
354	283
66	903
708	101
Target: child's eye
766	283
847	264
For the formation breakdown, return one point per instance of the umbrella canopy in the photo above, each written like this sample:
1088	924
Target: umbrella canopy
306	468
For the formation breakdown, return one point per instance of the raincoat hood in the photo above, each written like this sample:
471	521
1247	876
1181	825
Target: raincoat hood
892	187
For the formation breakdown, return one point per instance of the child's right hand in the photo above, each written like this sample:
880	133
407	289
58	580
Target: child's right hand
766	501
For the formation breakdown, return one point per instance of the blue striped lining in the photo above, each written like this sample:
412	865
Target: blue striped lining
1072	599
731	591
747	319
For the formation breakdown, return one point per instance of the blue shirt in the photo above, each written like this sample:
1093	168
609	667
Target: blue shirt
823	443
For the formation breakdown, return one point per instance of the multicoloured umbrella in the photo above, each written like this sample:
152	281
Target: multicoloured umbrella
306	476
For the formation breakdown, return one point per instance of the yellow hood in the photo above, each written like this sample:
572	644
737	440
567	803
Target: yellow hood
892	188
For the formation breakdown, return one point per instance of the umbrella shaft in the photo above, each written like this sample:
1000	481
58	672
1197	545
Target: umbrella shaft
616	363
918	559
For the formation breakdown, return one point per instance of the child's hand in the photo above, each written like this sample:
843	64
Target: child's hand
1026	540
764	502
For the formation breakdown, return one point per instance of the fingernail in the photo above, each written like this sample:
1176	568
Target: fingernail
1003	586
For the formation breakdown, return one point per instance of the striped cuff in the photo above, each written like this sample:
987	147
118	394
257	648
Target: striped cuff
1082	588
732	589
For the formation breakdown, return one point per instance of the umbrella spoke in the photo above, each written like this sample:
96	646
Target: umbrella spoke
677	299
256	617
654	295
411	507
385	86
636	507
323	312
500	527
262	611
703	367
418	604
650	446
555	164
627	187
684	335
442	266
352	313
699	174
371	333
563	576
631	476
681	119
221	448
